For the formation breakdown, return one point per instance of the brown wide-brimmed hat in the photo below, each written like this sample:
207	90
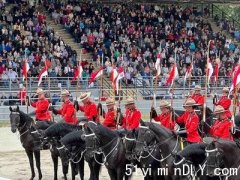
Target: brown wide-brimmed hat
197	88
84	96
189	102
110	102
226	89
65	92
219	109
164	104
130	101
39	91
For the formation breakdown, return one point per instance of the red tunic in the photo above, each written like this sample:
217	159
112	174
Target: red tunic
90	110
109	120
42	113
132	119
68	113
22	96
190	120
165	119
221	129
198	98
225	103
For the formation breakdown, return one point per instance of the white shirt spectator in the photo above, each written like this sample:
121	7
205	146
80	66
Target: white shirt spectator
12	75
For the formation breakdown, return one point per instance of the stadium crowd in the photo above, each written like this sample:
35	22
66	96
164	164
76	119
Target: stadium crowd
131	35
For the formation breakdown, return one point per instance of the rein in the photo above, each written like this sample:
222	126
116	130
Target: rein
106	156
22	127
150	152
169	155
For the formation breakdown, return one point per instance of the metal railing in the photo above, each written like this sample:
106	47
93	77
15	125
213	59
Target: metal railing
58	83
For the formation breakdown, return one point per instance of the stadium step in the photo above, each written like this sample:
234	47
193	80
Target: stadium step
67	38
215	28
123	91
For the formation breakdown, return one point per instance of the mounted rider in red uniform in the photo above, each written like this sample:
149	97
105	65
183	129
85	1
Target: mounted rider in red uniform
89	108
190	119
165	117
224	101
109	117
199	99
132	115
42	106
67	110
222	126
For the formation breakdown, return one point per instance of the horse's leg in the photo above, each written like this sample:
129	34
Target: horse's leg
74	170
91	171
30	158
81	168
65	170
120	173
38	163
112	174
96	169
55	164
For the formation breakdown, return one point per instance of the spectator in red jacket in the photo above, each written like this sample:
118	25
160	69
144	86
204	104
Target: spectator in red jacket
199	99
132	115
89	108
67	111
190	120
225	102
42	105
221	127
22	95
109	117
165	117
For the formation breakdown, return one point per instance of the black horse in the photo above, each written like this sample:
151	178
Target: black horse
23	123
147	153
102	140
53	135
168	144
223	153
75	148
193	156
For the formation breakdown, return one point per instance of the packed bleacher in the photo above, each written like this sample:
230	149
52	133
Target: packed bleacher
131	35
25	34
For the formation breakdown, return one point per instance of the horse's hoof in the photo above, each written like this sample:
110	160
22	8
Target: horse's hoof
64	177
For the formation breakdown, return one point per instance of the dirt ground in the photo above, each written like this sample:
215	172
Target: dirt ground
14	162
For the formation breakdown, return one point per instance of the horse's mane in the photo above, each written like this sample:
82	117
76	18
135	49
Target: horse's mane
24	116
74	137
100	129
60	130
227	142
193	150
208	110
159	128
43	125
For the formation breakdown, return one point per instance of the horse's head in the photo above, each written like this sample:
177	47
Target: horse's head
72	146
15	119
145	139
214	157
89	136
130	143
64	153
